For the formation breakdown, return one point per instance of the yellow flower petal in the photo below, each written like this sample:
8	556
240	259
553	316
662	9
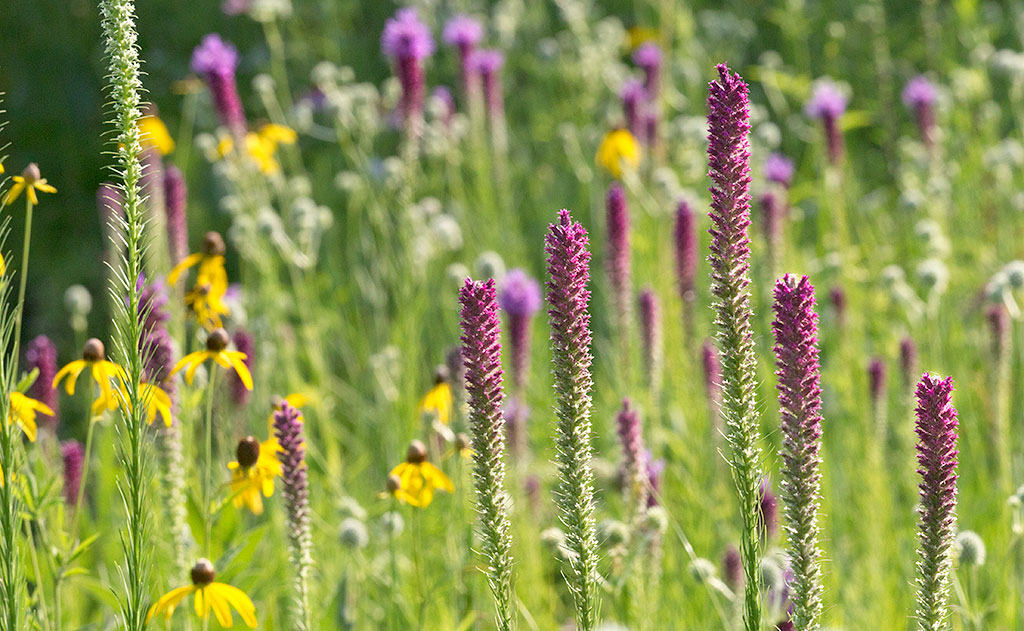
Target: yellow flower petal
187	262
237	360
167	603
72	371
241	602
219	604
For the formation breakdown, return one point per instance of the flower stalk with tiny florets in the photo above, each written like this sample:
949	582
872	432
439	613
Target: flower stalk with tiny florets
796	356
481	356
118	18
937	461
568	299
729	162
294	476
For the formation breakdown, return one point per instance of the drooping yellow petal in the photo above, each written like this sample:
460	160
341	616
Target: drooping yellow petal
72	371
43	187
237	359
201	602
240	601
219	604
19	186
436	477
154	132
187	262
169	601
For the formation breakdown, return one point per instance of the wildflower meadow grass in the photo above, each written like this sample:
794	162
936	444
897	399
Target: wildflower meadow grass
554	315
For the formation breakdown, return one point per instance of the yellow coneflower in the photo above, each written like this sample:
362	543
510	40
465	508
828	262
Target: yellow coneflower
219	597
206	306
415	480
157	401
618	148
438	400
210	260
29	181
103	372
253	472
261	145
154	132
216	349
23	412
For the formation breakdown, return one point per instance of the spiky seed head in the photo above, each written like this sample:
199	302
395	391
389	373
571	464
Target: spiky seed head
213	244
352	533
417	452
969	548
93	351
217	340
202	573
247	452
31	173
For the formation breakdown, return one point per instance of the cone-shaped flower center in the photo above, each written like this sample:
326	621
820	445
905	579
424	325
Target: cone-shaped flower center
394	483
213	244
93	350
202	573
31	174
217	341
441	374
248	452
417	452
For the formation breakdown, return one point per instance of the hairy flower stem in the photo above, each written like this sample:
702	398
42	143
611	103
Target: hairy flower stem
125	88
481	356
729	162
211	391
568	299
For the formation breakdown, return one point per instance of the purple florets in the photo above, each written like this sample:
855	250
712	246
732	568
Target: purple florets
876	379
292	454
463	32
405	36
41	355
73	456
245	343
633	96
520	294
779	169
919	92
826	101
648	57
485	64
619	252
214	56
686	250
174	206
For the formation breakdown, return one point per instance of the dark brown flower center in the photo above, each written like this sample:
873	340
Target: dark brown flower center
248	452
394	483
213	244
441	375
417	452
217	340
202	573
93	350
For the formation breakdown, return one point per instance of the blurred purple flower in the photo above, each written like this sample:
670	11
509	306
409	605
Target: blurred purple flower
827	103
41	355
245	343
520	299
618	262
779	169
647	57
407	41
217	60
650	337
175	198
632	96
444	95
486	63
919	95
73	456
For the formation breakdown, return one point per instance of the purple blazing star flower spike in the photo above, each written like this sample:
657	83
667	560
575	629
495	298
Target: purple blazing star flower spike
217	60
771	216
73	456
685	237
732	567
634	458
650	337
648	58
919	95
998	325
41	355
486	64
175	197
481	356
444	95
827	103
799	374
779	169
465	34
655	470
876	379
837	296
768	511
632	96
407	41
937	462
520	299
650	126
245	343
294	476
619	254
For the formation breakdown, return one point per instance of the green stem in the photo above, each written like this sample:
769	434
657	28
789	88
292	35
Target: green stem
39	592
85	463
208	464
24	277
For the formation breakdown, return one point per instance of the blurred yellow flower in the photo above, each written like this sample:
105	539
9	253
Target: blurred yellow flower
253	472
156	401
206	306
154	132
29	181
437	401
618	148
637	35
205	299
216	349
219	597
415	480
262	145
23	412
103	372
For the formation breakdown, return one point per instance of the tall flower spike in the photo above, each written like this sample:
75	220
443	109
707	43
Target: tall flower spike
407	41
175	194
650	338
771	216
919	95
686	263
796	362
729	168
827	103
481	356
73	456
520	299
633	99
41	355
568	300
619	258
937	461
292	453
908	361
217	60
634	460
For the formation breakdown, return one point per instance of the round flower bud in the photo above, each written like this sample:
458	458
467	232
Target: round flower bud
416	453
702	569
213	244
969	548
352	533
31	173
217	340
490	265
656	519
202	573
93	350
248	452
392	523
441	374
613	532
78	300
1015	274
393	483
